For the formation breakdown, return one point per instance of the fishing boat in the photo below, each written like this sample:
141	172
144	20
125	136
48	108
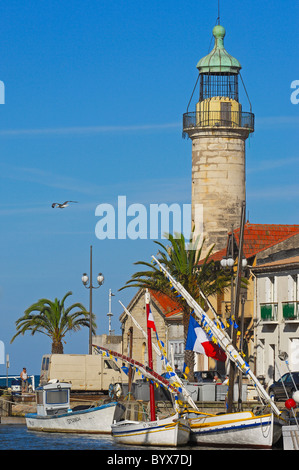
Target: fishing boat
55	415
240	429
171	431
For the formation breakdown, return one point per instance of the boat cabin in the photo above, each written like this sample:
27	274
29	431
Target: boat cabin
53	398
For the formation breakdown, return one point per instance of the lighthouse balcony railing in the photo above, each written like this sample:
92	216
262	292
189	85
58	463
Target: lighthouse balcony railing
233	119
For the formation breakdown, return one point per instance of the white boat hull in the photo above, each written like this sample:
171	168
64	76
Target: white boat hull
290	436
171	432
96	420
242	429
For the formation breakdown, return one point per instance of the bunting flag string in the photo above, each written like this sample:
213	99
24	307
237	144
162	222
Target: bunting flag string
147	373
218	322
222	336
173	377
161	351
186	370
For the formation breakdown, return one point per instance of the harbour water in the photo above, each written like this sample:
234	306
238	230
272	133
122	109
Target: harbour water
17	437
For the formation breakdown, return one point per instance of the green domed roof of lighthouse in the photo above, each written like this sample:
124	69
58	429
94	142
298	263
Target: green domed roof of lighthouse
219	60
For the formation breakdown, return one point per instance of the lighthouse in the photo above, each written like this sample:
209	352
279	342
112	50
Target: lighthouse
218	129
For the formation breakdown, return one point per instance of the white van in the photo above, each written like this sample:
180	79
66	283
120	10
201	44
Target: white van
86	372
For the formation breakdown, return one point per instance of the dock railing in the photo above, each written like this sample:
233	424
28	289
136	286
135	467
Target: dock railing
17	377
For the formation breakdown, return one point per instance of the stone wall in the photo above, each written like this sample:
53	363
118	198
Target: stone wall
139	350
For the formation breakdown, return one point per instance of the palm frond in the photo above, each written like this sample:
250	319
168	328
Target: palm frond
52	319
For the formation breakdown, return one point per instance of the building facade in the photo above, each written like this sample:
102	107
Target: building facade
277	317
260	338
167	318
264	244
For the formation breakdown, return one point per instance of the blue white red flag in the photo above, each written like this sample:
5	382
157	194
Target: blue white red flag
198	341
150	321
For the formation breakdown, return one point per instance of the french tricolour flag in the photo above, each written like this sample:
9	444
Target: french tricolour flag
150	321
198	341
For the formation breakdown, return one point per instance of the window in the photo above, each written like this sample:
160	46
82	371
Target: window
290	310
289	380
214	84
294	353
56	396
271	289
178	348
269	308
292	288
45	363
39	397
226	114
284	378
268	312
110	365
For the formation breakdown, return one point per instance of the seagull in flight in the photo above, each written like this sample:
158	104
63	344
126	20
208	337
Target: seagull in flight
61	206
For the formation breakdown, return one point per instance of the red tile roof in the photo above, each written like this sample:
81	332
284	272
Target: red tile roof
258	237
169	306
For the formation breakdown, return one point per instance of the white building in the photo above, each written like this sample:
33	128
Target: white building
277	317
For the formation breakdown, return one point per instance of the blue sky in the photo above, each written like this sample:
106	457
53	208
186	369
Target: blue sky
94	97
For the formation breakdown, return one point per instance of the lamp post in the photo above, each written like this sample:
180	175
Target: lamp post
229	263
85	279
235	297
110	314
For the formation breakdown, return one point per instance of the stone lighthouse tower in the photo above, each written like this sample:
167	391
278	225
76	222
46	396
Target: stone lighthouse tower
218	129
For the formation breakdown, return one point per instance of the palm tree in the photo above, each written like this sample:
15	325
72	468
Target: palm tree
184	262
53	320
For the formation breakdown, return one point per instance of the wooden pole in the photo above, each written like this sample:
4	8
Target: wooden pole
90	303
150	359
241	350
130	355
232	369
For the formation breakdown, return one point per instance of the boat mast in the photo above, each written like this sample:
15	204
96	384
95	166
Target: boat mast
235	313
150	358
224	341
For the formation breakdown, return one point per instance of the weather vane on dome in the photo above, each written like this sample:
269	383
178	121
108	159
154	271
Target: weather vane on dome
218	19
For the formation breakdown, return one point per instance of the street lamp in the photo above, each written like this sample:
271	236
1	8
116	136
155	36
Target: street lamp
85	280
227	262
100	279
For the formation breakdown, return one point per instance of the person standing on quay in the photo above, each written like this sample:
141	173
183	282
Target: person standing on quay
24	379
